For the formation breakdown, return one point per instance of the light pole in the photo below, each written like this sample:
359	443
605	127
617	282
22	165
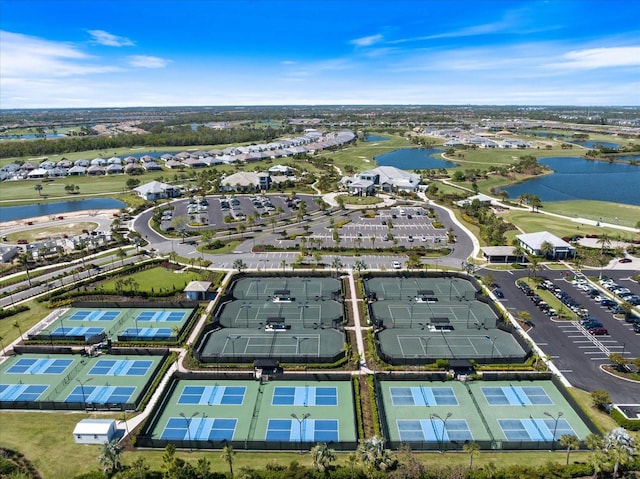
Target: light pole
233	344
300	421
188	420
493	344
306	282
426	343
302	308
84	398
555	426
255	282
246	308
411	302
444	425
468	314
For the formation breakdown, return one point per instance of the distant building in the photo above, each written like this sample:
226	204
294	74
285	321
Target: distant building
383	178
156	190
534	244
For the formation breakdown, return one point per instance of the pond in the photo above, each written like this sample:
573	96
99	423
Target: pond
414	159
596	145
575	178
369	138
11	213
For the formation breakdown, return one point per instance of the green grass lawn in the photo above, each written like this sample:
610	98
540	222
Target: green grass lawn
47	440
360	200
157	279
531	222
26	320
52	230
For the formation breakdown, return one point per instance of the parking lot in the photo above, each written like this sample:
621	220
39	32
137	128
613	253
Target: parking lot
576	352
227	211
398	226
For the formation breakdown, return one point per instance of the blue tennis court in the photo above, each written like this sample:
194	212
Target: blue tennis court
101	394
199	429
161	316
71	332
516	396
21	392
307	430
304	396
423	396
149	332
39	366
84	315
121	367
213	395
433	430
533	429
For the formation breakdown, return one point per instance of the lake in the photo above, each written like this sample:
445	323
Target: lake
414	159
595	145
575	178
369	138
11	213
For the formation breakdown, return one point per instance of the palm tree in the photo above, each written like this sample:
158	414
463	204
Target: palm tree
25	260
373	455
534	266
227	456
239	265
359	266
570	442
17	325
110	458
337	264
472	448
38	188
121	254
546	249
620	447
604	241
322	456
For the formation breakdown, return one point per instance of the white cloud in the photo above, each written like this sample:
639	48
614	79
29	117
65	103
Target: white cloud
108	39
601	58
366	41
27	56
145	61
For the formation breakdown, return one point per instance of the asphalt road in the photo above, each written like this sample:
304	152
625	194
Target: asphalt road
577	354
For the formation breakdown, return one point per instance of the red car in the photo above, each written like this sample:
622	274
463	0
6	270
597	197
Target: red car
624	260
22	241
598	331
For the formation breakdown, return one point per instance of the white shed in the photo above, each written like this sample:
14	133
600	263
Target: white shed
94	431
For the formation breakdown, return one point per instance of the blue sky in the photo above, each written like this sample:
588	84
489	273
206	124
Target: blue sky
110	53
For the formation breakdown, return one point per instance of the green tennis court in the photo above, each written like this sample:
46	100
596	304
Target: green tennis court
495	414
74	381
429	318
303	288
117	324
253	415
291	319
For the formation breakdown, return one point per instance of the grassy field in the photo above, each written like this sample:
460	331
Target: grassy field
47	440
531	222
614	213
26	320
157	279
52	231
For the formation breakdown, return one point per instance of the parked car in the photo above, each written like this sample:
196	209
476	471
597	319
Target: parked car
636	328
397	265
498	293
598	331
624	260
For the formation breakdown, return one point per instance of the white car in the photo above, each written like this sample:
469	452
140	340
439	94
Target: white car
397	265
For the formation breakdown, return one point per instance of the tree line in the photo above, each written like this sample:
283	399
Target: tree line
203	136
